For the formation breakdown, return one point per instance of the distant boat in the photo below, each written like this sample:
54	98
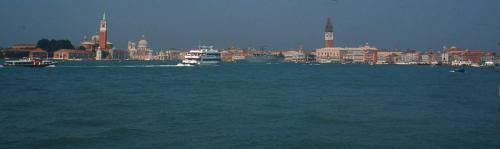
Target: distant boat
489	64
371	63
324	61
460	70
497	68
205	55
29	63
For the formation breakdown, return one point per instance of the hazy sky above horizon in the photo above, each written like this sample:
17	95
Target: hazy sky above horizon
277	24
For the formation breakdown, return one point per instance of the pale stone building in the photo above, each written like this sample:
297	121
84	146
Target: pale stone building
362	54
140	51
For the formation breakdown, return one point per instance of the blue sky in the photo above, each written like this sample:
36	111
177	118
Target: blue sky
282	24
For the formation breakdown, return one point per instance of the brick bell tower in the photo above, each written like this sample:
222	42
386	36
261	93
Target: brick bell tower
329	34
103	33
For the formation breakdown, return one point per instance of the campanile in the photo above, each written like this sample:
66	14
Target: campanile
103	33
328	34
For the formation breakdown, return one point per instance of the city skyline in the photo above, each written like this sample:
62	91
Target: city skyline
416	25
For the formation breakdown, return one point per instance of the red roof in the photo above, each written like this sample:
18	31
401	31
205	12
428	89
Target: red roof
38	50
473	53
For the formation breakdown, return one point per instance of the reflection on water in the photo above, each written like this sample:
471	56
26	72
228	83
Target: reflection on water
498	103
498	116
247	105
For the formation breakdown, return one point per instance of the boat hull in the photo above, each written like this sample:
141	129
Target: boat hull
32	66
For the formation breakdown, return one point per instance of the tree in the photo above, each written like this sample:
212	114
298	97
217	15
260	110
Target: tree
81	48
43	44
53	45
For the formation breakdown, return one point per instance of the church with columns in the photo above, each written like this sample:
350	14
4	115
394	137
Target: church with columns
140	51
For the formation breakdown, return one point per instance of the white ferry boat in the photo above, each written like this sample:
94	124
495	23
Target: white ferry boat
205	55
29	63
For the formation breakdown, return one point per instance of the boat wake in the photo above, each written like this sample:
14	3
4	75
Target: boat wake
184	65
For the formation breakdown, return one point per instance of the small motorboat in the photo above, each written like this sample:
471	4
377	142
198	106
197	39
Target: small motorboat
461	70
496	67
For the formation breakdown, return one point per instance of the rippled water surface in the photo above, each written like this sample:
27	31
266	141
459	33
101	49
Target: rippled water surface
247	105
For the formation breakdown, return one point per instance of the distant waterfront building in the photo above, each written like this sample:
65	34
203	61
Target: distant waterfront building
72	54
488	57
457	56
293	56
410	57
99	40
388	57
328	54
98	54
93	43
361	54
120	54
299	56
369	54
169	55
452	54
473	56
444	56
38	53
24	51
430	57
23	46
141	51
236	54
425	58
331	54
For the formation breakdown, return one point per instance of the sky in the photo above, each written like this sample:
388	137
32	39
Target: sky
275	24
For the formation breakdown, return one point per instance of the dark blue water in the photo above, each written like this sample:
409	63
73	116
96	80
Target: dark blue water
145	105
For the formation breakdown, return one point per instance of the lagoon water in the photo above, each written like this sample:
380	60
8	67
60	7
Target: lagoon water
247	105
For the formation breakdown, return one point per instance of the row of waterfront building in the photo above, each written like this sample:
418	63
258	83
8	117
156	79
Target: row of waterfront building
368	54
99	48
364	54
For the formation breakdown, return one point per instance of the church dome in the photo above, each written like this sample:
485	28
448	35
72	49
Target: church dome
95	38
143	43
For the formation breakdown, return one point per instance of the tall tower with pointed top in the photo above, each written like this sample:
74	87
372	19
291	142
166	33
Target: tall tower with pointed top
329	34
103	33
